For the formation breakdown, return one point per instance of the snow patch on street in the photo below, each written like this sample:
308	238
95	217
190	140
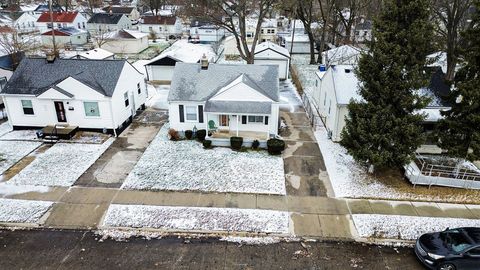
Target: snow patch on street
405	227
22	211
13	151
61	165
6	189
186	165
197	218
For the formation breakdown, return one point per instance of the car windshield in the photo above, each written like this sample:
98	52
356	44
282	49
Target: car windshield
456	240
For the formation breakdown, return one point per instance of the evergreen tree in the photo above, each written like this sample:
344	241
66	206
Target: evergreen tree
459	131
383	129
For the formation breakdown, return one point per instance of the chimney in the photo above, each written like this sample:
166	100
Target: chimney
204	62
50	57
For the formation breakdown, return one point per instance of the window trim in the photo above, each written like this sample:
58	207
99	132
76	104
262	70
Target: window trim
139	89
91	116
256	118
31	107
126	99
195	109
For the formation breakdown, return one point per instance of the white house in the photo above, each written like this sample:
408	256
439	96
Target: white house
106	22
363	31
61	20
226	100
131	12
65	37
125	42
26	23
161	68
163	26
88	94
301	44
268	53
207	33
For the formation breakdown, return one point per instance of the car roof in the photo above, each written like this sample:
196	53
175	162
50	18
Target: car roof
473	233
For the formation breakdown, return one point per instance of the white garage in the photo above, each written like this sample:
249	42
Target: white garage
268	53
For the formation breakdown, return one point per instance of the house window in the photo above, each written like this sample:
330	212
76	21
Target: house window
91	109
150	29
262	31
191	113
27	107
49	25
139	89
59	25
83	25
125	97
255	119
79	26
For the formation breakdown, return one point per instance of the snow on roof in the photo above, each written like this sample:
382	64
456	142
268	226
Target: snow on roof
125	34
345	83
438	59
343	55
297	38
269	23
97	53
271	46
433	114
187	52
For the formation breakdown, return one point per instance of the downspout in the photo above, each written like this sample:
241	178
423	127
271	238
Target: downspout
113	119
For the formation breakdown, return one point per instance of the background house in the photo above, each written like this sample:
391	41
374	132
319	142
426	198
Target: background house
26	23
90	94
207	33
61	19
65	37
269	53
163	26
125	42
131	12
240	100
342	55
106	22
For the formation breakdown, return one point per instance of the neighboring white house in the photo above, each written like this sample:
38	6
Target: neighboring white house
106	22
61	20
343	55
268	53
163	26
65	37
89	94
231	100
301	44
161	68
125	42
131	12
26	23
207	33
96	54
363	31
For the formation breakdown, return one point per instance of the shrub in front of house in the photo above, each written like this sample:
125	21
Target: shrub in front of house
275	146
255	144
207	144
173	135
201	134
236	142
188	134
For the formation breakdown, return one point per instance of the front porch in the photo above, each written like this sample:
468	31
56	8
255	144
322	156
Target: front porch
247	135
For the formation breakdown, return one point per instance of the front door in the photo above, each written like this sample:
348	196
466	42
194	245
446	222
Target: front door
60	109
223	120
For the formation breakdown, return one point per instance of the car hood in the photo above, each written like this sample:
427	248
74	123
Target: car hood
433	243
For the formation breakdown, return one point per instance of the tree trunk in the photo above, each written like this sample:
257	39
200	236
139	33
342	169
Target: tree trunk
311	40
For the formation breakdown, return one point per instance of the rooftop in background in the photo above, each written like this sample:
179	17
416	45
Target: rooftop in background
191	83
35	75
97	53
125	34
7	61
186	52
58	17
118	9
343	55
45	8
163	20
64	31
271	46
105	18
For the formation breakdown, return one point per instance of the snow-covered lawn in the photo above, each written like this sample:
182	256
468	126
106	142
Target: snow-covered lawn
157	96
61	165
197	218
5	128
22	211
20	135
405	227
12	151
186	165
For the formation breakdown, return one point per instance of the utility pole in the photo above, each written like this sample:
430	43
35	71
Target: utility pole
53	27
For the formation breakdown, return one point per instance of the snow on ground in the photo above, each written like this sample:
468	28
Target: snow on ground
20	135
197	218
405	227
5	128
186	165
22	211
12	151
7	189
61	165
157	96
252	240
140	66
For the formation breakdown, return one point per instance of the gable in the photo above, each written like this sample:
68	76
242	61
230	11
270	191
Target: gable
238	90
55	93
78	89
270	54
165	61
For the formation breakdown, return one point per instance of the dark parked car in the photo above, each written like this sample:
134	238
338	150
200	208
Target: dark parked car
452	249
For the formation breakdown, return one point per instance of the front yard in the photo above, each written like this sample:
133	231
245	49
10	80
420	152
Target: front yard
187	166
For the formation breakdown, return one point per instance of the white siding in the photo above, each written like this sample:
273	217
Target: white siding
160	73
129	46
282	66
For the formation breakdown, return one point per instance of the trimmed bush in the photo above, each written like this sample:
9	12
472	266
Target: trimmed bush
275	146
207	144
255	144
173	135
188	134
236	142
201	134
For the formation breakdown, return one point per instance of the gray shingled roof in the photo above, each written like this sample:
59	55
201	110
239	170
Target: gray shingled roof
191	83
218	106
35	76
105	18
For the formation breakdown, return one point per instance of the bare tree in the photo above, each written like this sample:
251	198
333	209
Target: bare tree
13	44
452	17
155	5
101	36
233	15
305	13
327	8
348	12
